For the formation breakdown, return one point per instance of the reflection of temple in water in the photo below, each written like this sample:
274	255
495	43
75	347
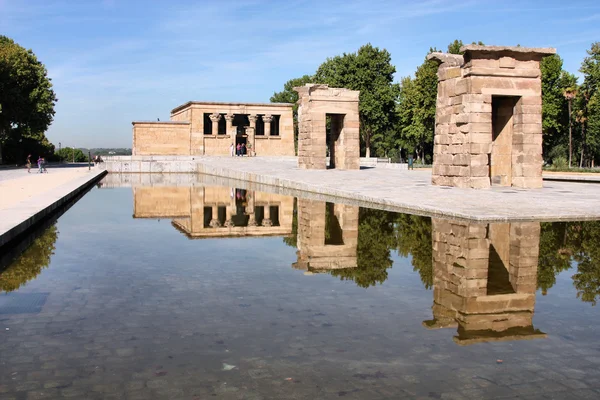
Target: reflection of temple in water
485	279
327	236
209	212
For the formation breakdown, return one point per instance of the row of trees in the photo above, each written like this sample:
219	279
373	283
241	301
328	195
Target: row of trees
397	116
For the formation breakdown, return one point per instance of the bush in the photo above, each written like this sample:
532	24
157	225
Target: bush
560	162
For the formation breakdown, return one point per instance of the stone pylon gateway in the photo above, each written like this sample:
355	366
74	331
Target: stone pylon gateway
317	103
484	279
488	128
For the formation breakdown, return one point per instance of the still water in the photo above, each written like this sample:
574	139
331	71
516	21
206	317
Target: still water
215	292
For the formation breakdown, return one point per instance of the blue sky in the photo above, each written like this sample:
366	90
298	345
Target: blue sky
114	61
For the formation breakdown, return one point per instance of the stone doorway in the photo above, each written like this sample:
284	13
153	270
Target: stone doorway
502	140
334	126
328	124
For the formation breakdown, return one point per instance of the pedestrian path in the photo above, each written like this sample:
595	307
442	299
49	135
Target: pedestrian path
27	198
17	185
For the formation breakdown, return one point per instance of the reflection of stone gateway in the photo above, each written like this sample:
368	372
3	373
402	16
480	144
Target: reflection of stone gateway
208	212
327	236
485	280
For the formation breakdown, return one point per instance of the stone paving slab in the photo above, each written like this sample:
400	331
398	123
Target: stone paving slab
412	191
26	199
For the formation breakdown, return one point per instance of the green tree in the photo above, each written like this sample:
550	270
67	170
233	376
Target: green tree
413	238
584	239
554	254
29	265
588	105
417	107
555	108
375	240
69	154
292	240
289	95
370	71
26	96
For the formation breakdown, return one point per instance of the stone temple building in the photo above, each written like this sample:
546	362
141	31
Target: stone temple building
209	128
216	211
488	127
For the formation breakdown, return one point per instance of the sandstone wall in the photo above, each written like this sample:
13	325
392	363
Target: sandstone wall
214	144
461	267
161	138
467	89
187	205
161	202
313	252
316	101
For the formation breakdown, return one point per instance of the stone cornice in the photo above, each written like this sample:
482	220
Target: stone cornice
161	122
229	104
539	51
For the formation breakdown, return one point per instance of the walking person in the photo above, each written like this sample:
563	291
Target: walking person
238	150
39	163
44	165
243	149
29	164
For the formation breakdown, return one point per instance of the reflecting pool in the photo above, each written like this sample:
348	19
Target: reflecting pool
210	291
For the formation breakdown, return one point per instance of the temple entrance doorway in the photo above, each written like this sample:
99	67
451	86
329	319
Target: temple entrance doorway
502	140
333	137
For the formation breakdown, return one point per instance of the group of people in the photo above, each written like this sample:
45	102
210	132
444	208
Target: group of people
240	150
41	162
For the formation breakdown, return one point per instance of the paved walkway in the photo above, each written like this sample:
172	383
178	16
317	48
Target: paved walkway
412	190
26	198
17	185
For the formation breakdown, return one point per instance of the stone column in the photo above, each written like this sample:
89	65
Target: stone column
230	128
250	209
228	212
267	216
267	120
214	221
251	133
214	118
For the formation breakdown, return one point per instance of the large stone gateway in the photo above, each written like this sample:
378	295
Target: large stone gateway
319	104
489	117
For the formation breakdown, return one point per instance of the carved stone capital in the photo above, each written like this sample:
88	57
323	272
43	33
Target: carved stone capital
215	223
229	117
229	223
252	118
215	117
252	221
267	222
267	118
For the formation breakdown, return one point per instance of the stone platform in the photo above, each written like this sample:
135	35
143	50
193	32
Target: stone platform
397	190
27	198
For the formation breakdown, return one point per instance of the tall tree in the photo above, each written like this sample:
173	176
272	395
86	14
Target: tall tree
370	71
557	85
375	240
26	96
413	235
417	106
29	264
289	95
589	118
